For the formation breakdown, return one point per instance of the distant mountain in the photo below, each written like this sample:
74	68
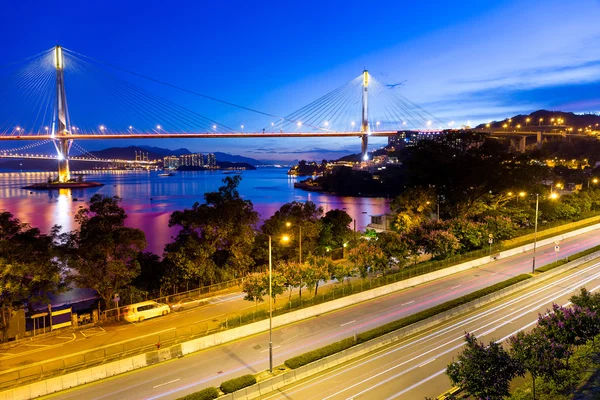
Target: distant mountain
165	152
237	159
570	119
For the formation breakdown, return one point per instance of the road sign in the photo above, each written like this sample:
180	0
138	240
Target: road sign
491	236
116	298
557	242
556	248
490	240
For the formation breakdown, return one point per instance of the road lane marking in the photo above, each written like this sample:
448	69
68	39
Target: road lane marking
410	302
427	362
274	347
348	323
166	383
455	287
416	384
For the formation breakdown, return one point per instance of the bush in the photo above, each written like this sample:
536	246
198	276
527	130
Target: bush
235	384
204	394
336	347
558	263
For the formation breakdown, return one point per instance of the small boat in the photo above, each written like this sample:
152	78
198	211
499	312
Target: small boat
166	174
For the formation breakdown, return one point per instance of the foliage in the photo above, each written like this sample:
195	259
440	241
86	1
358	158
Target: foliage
411	208
314	355
440	244
209	393
366	257
216	238
588	300
288	221
293	273
483	371
104	252
335	230
254	287
344	271
236	384
29	270
317	269
393	246
570	326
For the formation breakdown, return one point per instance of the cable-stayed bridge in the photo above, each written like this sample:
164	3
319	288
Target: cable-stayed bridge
104	103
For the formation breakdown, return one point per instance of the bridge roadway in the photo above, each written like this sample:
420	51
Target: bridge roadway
97	160
414	367
176	378
207	135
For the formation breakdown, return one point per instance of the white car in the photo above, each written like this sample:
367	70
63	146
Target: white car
146	309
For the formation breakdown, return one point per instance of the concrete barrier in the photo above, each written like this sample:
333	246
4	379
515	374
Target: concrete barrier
81	377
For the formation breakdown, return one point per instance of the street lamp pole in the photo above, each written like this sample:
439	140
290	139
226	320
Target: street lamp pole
537	202
300	241
270	308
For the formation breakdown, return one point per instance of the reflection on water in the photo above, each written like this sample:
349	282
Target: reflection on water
150	199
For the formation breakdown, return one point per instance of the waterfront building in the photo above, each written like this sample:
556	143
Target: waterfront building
191	160
211	160
171	162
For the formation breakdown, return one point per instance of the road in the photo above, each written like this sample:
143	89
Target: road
210	367
414	368
212	315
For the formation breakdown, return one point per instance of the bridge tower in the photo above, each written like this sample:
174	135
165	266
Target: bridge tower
62	141
364	127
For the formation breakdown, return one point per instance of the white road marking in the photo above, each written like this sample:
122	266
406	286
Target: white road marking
166	383
208	319
410	302
348	323
427	362
264	351
455	287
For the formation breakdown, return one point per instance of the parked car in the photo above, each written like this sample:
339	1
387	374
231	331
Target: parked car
146	309
186	303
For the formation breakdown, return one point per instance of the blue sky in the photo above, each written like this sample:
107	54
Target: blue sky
462	60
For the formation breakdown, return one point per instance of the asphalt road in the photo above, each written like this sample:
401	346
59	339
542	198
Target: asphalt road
211	315
414	368
210	367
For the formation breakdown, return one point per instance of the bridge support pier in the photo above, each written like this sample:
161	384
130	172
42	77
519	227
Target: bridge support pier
62	147
539	140
364	148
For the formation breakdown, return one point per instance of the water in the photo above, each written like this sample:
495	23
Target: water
150	199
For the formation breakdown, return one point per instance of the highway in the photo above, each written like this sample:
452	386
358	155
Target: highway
219	307
414	367
210	367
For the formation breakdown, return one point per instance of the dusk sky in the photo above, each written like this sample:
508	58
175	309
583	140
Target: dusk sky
462	61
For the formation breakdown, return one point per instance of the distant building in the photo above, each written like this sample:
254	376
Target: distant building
410	138
171	162
211	160
191	160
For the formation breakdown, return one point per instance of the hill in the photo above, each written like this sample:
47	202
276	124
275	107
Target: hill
576	121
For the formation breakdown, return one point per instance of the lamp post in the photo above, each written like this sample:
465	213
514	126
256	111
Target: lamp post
537	203
270	308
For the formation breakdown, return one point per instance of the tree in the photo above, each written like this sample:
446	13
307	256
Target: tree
152	271
440	244
278	284
217	237
254	287
394	246
539	354
293	274
344	271
104	251
317	269
471	235
570	326
411	208
335	230
29	270
287	221
483	371
366	257
588	300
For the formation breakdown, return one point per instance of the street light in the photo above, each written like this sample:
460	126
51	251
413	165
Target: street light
270	307
541	119
553	196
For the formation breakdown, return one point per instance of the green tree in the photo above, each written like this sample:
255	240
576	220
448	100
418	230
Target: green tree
216	238
335	230
484	372
292	271
287	221
471	235
440	244
344	271
367	256
255	288
538	354
586	299
29	270
411	208
317	269
394	246
278	284
105	252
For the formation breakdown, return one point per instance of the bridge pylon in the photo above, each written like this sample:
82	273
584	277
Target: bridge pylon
364	127
62	142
